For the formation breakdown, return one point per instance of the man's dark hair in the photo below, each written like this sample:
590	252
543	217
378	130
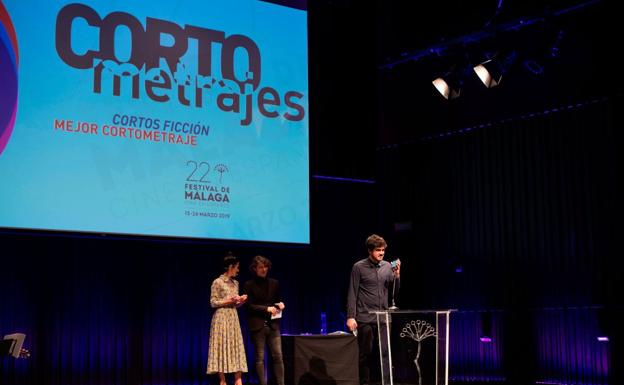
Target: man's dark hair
374	241
259	260
229	260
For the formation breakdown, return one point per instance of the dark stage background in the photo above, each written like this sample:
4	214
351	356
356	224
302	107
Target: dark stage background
504	204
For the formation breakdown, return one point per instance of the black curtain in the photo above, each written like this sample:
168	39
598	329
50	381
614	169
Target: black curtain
518	215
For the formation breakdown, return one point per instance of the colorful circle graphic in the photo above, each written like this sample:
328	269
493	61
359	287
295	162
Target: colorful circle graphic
9	61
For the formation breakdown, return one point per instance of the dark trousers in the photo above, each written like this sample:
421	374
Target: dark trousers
272	337
368	343
367	333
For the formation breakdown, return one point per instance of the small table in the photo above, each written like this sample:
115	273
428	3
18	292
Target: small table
320	359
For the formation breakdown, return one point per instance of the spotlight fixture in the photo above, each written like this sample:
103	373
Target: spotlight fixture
489	74
448	86
491	71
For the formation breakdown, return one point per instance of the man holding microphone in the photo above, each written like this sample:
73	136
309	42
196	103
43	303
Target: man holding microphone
368	291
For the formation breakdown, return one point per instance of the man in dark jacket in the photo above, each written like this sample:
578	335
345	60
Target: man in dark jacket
368	291
263	314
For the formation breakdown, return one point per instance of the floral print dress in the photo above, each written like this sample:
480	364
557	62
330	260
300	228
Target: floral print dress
226	351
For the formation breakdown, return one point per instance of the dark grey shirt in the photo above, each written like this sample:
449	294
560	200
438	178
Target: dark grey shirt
368	289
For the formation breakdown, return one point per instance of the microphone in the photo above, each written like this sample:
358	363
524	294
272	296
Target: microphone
394	265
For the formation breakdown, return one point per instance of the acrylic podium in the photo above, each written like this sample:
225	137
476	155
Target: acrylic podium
413	346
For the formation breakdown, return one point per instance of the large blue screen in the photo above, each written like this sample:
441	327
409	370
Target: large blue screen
183	119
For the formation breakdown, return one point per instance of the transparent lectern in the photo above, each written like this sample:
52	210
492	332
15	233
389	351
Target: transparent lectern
413	346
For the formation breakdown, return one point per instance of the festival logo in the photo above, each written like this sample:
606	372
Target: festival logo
9	60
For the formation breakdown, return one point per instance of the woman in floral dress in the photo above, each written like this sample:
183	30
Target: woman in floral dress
226	352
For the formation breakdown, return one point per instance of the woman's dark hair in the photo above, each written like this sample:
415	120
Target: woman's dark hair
229	260
259	260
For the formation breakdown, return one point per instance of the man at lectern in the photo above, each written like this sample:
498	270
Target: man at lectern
371	278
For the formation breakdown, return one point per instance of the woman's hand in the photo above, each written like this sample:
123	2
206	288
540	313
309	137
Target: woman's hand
238	300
